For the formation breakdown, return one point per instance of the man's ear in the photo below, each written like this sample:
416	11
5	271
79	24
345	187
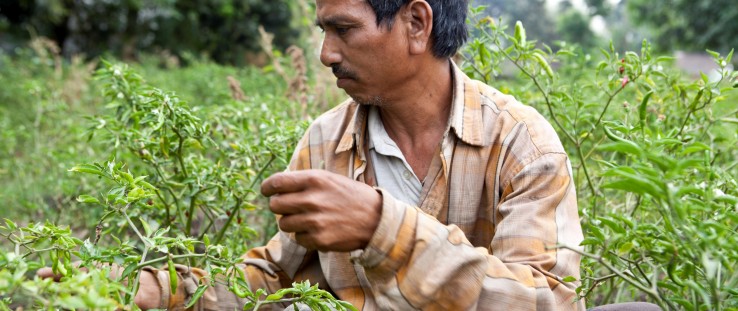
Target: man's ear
419	17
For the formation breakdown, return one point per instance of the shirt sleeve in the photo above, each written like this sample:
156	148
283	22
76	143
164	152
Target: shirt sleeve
415	262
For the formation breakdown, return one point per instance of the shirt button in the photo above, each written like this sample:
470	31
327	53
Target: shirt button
408	174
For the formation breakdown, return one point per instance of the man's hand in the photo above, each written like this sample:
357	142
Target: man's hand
147	297
326	211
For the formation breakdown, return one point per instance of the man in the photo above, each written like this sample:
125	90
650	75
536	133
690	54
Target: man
425	190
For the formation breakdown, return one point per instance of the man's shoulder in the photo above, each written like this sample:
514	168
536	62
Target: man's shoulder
505	104
511	115
337	119
334	127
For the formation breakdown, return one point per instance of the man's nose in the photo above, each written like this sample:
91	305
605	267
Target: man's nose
329	54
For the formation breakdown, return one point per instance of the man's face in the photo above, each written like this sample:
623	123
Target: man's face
368	60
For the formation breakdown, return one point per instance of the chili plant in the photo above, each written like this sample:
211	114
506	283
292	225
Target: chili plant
183	198
654	159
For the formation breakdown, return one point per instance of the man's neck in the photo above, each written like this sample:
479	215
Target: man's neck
423	108
416	122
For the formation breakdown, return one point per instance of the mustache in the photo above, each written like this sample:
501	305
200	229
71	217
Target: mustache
342	72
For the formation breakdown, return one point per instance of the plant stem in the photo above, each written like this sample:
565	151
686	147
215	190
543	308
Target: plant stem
165	258
191	211
262	170
223	230
654	294
133	226
179	154
137	280
586	174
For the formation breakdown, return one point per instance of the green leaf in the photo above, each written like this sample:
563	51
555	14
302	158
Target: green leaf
146	227
11	225
695	147
86	168
136	194
146	185
590	241
622	147
727	199
127	271
276	296
611	224
714	54
347	305
595	231
87	199
127	176
625	248
630	181
569	279
196	296
621	144
544	64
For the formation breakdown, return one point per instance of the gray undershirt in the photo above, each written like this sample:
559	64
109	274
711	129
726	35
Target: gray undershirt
391	170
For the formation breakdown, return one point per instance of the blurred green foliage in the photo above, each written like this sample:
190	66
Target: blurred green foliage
690	25
223	30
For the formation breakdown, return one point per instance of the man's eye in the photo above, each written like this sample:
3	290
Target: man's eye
342	30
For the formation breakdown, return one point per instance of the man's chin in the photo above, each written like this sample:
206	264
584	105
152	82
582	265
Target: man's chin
377	101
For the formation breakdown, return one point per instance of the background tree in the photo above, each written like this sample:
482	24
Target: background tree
538	22
689	25
221	29
573	25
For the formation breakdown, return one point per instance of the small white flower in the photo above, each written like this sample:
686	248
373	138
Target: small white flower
702	185
120	95
717	192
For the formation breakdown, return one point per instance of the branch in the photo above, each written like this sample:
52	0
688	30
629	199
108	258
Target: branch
649	291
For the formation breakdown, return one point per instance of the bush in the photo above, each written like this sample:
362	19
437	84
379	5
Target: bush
223	30
654	159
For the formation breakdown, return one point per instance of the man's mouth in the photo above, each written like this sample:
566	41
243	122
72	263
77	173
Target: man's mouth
342	73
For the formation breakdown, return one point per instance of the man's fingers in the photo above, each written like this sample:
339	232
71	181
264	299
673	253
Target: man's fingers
296	223
46	273
306	240
291	203
287	182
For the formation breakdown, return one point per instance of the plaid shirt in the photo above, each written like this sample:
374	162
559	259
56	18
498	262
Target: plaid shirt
497	200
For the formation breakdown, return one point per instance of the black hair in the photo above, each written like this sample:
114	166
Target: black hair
449	22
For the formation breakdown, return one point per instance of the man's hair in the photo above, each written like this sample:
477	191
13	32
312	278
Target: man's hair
449	22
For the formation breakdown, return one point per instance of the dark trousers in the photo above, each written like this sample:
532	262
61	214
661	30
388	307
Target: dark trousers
628	306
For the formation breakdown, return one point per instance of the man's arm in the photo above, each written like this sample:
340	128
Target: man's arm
415	262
